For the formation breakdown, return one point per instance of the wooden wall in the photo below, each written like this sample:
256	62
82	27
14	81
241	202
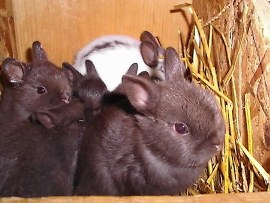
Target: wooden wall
251	73
7	32
64	26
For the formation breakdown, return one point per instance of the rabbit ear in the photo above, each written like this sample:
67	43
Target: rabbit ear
90	68
72	74
13	71
149	54
38	53
61	115
133	69
47	119
151	49
141	92
145	74
148	37
174	68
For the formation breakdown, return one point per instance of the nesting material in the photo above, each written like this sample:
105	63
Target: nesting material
7	32
235	169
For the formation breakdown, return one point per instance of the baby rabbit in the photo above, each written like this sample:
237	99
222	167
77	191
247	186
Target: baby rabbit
33	86
40	161
161	147
35	161
90	89
112	55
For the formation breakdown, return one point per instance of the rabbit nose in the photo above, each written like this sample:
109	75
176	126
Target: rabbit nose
217	140
65	97
217	134
218	147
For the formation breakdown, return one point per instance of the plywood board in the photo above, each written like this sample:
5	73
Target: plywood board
64	26
251	71
7	32
228	198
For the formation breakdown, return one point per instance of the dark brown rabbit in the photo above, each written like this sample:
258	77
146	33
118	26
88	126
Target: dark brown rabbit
40	161
32	86
152	52
160	148
90	89
34	160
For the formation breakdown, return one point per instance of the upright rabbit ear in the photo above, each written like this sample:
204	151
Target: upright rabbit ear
141	92
174	68
38	53
90	68
145	74
149	54
72	74
133	69
146	36
13	71
151	50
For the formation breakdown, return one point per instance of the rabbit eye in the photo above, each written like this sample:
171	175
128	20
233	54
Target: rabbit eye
75	94
181	128
41	90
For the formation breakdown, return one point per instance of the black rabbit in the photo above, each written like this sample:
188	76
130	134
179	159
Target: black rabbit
32	86
34	160
159	148
40	161
90	89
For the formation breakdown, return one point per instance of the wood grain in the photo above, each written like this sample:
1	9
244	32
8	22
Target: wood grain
262	197
250	68
7	32
65	26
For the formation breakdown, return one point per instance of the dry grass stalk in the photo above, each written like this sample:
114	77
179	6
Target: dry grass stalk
238	48
250	138
236	167
212	175
255	163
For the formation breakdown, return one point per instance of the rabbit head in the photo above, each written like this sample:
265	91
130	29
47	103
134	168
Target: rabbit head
36	85
89	88
182	123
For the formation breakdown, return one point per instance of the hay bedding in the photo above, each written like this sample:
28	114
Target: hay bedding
235	169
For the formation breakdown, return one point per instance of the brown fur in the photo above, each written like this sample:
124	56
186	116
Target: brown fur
140	152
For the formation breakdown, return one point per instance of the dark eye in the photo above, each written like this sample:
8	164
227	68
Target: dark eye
181	128
41	90
75	95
